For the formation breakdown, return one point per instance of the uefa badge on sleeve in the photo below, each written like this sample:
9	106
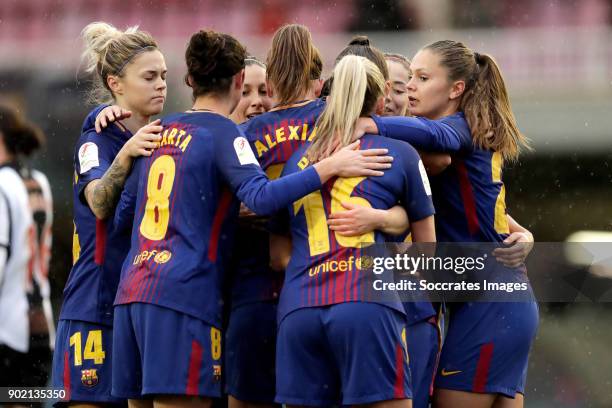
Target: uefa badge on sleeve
89	377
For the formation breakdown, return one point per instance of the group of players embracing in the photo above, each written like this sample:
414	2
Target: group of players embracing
197	234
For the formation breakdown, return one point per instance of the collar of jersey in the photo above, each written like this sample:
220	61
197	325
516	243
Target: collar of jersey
293	105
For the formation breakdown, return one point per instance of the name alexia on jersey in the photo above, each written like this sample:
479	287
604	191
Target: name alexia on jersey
283	134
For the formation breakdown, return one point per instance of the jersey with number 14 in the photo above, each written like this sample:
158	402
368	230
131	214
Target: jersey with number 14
98	248
184	210
328	268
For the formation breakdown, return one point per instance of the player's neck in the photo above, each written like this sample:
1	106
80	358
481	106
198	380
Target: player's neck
301	98
135	122
447	110
221	106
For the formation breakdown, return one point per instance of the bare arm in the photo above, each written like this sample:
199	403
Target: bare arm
520	243
358	220
435	163
423	230
280	252
103	194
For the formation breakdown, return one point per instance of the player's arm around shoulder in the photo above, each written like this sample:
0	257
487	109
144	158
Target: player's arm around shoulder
103	194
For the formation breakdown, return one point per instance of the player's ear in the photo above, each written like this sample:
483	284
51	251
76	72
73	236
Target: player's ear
240	80
189	80
457	89
269	89
114	84
380	106
318	86
387	88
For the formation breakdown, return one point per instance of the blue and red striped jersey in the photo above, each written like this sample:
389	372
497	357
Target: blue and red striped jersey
184	211
98	248
469	195
274	137
326	268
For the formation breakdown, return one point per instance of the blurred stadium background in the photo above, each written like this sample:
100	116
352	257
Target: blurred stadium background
556	56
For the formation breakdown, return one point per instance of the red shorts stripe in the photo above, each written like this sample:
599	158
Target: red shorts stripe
398	389
195	362
482	369
67	375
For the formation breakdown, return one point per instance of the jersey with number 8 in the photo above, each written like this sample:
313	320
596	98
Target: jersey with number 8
179	203
159	186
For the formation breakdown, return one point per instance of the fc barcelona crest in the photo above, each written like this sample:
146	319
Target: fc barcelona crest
217	372
89	378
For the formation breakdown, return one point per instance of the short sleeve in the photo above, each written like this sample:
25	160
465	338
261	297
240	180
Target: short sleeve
92	157
416	197
236	161
126	207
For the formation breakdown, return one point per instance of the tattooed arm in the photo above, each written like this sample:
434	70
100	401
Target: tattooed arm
103	194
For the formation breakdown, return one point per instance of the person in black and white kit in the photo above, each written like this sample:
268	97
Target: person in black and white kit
42	328
17	140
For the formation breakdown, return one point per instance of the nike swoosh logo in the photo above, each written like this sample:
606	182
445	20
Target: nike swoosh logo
447	373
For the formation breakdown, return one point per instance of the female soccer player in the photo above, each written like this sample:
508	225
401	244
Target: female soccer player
422	334
396	102
130	70
484	358
255	99
18	139
294	69
338	344
182	201
293	78
423	330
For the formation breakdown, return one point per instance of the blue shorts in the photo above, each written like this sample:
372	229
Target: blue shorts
162	351
423	343
250	353
343	354
487	347
82	362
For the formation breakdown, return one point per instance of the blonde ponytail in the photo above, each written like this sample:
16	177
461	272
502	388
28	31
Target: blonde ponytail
357	85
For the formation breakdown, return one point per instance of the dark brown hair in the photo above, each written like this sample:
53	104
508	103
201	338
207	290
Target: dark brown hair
19	136
212	60
485	101
360	45
292	62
